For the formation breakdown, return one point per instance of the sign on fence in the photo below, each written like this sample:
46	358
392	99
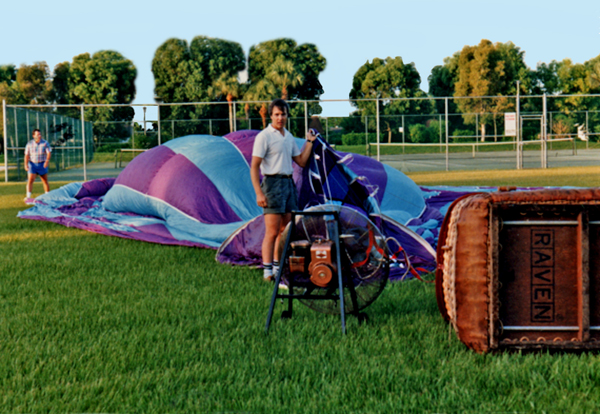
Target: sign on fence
510	124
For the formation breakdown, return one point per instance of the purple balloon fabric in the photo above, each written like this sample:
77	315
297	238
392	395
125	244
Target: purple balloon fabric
196	191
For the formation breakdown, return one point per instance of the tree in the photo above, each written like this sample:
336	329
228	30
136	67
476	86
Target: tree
30	84
106	77
8	74
283	74
34	82
545	79
185	73
488	70
384	80
170	70
260	92
274	58
228	86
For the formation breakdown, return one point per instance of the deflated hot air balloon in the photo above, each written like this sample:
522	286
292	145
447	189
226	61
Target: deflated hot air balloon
196	191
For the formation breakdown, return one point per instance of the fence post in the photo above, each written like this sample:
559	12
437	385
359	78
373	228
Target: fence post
5	131
366	135
83	142
158	124
377	121
305	117
234	118
544	134
518	126
440	121
403	135
587	130
447	138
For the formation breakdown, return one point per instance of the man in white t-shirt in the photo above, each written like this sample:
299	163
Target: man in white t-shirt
272	154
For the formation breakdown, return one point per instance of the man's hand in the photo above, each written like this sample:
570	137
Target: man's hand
26	166
46	164
261	200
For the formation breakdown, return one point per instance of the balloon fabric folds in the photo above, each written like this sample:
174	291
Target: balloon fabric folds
196	191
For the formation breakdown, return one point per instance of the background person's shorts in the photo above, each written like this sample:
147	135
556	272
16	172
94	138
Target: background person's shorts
281	194
37	168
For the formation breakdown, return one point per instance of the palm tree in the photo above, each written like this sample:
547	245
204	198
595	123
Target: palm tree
283	74
229	87
261	92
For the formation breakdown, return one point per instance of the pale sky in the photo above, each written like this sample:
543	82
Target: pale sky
347	33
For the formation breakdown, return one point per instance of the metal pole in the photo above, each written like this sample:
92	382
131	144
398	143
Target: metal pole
441	134
327	129
587	130
550	125
234	118
144	108
367	135
544	135
158	125
377	120
83	142
210	127
17	144
5	131
447	138
305	117
518	125
403	135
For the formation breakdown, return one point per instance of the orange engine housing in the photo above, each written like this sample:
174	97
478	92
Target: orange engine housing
322	266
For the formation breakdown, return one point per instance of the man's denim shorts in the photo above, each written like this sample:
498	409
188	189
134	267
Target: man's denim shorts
281	194
37	168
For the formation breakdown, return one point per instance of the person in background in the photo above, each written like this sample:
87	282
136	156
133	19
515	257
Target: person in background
272	155
37	159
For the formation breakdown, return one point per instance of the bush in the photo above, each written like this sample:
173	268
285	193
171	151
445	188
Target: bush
112	147
357	138
141	141
421	133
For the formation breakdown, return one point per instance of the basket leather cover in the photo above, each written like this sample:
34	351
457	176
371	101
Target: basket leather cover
465	256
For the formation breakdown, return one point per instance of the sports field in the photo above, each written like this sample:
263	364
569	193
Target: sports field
92	323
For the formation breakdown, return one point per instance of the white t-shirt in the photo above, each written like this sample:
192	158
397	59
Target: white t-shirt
276	151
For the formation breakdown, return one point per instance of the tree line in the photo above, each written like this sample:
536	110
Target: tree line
207	70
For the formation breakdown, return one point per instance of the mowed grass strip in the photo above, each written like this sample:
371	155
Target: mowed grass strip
91	323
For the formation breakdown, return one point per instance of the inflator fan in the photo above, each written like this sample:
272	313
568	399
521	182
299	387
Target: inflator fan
333	260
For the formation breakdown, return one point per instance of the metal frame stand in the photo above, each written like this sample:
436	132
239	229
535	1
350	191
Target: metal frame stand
330	295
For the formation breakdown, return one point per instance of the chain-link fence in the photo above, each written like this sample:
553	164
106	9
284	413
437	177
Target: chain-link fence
65	134
411	134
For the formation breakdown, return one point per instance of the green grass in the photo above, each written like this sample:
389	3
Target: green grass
91	323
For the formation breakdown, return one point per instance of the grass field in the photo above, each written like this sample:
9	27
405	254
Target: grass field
91	323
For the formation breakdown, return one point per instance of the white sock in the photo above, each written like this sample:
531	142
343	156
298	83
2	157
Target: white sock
267	270
28	195
275	267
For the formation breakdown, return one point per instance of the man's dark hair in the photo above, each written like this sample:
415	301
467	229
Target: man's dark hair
35	131
281	104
